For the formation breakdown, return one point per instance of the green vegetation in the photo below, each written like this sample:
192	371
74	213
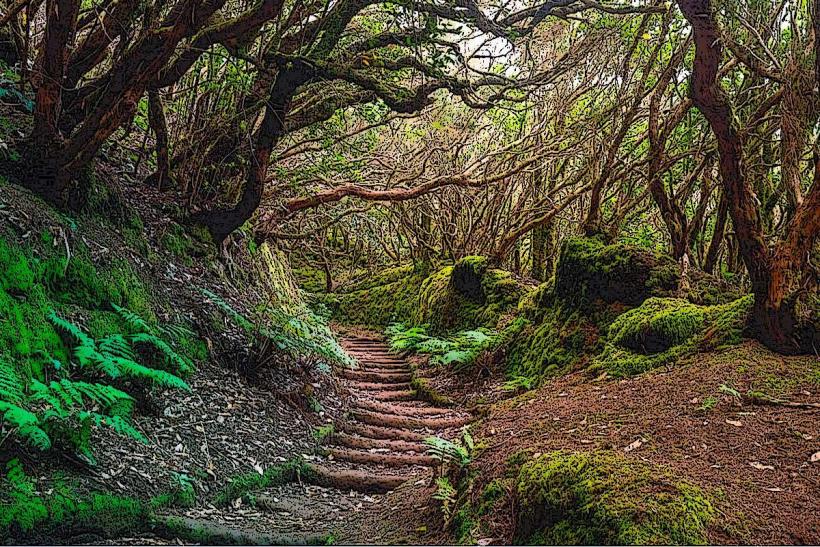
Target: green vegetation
57	382
664	330
27	510
459	350
244	486
607	499
590	272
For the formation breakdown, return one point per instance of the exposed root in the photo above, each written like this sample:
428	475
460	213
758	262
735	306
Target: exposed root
379	458
359	481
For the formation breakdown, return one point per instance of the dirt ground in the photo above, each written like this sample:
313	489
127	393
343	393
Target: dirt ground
756	459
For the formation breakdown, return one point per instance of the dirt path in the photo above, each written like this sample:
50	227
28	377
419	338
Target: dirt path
377	447
380	442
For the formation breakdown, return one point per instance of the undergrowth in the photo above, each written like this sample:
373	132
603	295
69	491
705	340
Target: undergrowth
459	350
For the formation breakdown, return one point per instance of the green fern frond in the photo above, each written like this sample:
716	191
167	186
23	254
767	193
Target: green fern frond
27	424
159	377
174	360
133	320
176	332
117	423
11	385
116	345
71	329
447	451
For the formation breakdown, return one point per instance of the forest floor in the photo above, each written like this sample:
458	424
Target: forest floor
375	456
761	462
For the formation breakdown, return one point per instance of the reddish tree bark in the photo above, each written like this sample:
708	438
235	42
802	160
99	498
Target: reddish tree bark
776	275
161	178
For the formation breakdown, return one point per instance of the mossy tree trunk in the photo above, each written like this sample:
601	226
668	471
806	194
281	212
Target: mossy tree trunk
778	275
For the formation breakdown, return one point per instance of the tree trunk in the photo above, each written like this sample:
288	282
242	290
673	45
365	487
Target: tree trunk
776	277
222	222
46	177
156	119
717	237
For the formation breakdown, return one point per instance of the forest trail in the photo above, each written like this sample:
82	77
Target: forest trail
379	443
376	447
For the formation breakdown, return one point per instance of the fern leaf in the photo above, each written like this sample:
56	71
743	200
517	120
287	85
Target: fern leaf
134	321
176	361
155	376
117	345
71	329
27	424
11	385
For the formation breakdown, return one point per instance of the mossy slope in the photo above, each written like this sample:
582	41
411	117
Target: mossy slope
467	294
604	498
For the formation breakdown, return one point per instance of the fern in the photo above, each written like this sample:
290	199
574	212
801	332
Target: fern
301	334
132	320
175	361
114	357
14	411
71	329
446	494
447	451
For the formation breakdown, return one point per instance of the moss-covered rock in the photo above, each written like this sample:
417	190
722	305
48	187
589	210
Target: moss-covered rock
588	271
465	295
657	325
387	297
605	498
664	330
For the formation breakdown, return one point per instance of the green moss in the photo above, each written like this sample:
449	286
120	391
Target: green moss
26	336
390	296
607	499
657	325
16	272
494	491
30	513
425	392
310	279
589	271
662	331
178	243
465	524
104	323
320	434
124	287
243	486
553	346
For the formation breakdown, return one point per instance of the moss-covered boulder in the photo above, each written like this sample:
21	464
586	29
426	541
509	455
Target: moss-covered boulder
605	498
664	330
589	272
467	295
657	325
383	298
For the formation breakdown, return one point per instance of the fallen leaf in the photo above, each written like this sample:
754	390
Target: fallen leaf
636	444
815	457
760	466
734	422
